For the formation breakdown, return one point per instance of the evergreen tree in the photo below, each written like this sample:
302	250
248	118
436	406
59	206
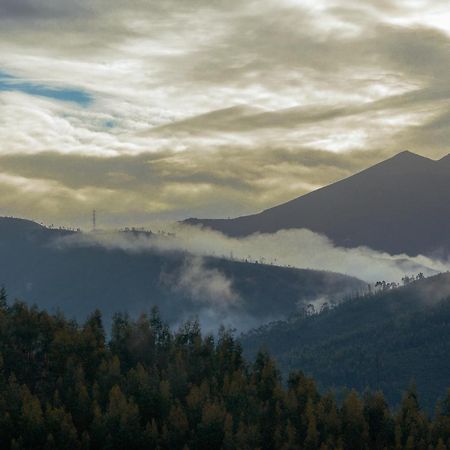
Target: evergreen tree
62	386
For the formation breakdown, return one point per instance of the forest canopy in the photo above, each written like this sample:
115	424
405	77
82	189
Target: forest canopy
64	385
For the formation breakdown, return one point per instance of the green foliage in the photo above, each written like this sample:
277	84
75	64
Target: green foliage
63	386
378	341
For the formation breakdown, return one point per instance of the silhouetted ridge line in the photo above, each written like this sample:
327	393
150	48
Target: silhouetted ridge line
400	205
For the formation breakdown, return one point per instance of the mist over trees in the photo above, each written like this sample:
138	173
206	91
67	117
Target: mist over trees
383	339
77	279
65	386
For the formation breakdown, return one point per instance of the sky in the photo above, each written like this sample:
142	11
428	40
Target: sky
161	110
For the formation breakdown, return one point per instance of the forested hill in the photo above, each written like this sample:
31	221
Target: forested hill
77	278
383	340
64	387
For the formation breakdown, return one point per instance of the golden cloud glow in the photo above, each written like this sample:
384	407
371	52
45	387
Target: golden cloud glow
211	109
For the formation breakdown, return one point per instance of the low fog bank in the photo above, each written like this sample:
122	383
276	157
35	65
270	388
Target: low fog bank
292	248
197	274
215	300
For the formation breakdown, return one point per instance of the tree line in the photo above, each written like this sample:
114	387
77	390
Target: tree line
65	385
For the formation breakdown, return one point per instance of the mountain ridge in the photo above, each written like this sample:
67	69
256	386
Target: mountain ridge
78	277
383	207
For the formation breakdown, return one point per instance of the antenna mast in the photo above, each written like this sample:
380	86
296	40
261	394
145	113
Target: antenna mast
94	220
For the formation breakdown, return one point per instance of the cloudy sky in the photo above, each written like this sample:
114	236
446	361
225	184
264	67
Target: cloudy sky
210	108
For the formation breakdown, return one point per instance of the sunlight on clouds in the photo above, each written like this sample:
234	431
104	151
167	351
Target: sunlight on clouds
404	120
210	93
435	14
26	185
340	141
325	22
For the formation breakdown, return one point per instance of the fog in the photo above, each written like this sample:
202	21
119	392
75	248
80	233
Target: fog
293	248
212	293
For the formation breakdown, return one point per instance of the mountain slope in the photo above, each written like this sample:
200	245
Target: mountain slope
383	341
401	205
79	278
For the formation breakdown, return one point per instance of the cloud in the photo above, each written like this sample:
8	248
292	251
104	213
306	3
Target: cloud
214	298
142	187
291	248
213	108
205	285
305	249
18	9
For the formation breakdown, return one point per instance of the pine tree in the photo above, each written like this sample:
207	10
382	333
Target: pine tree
178	426
291	439
312	436
354	427
412	422
379	420
3	299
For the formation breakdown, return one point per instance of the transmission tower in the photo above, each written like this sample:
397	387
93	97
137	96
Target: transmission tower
94	220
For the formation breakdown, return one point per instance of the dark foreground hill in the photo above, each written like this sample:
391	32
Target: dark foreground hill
63	386
400	205
79	278
385	340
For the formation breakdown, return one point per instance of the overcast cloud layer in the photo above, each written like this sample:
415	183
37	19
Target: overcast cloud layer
167	109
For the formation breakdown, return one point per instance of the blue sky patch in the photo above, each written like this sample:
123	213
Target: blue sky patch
109	123
11	83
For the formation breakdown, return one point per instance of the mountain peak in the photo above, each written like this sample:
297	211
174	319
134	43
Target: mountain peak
399	205
404	161
408	155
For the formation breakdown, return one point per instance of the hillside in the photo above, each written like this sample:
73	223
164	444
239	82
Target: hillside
400	205
381	341
65	386
79	278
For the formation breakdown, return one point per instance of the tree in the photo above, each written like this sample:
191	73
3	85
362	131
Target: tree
74	392
380	423
354	427
312	436
412	422
3	298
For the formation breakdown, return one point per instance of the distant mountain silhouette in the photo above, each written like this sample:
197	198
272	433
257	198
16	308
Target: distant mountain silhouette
401	205
77	279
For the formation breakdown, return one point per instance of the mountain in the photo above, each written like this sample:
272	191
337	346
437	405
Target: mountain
401	205
59	270
384	341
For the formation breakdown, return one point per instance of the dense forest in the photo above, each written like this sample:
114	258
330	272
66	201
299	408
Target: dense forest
65	386
381	341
